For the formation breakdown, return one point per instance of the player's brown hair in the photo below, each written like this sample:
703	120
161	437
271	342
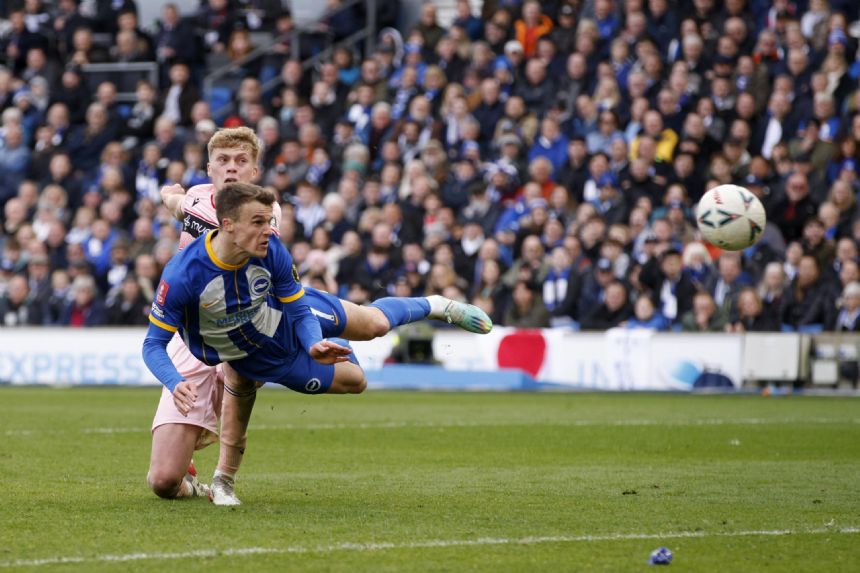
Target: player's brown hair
233	137
231	197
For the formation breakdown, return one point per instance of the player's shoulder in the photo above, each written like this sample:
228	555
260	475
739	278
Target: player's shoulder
200	201
202	190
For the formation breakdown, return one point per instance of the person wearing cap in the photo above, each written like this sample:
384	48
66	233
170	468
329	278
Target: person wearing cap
564	32
531	26
610	202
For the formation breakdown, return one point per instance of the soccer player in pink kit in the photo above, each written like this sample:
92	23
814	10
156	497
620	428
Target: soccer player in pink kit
187	418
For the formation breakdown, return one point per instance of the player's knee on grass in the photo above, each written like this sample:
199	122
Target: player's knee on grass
164	483
348	379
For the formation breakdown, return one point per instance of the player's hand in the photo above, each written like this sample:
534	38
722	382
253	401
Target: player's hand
175	189
184	396
328	352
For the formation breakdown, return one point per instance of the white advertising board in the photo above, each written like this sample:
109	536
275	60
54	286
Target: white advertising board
615	360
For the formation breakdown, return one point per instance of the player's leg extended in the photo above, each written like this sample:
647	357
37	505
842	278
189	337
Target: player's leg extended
376	319
341	318
237	405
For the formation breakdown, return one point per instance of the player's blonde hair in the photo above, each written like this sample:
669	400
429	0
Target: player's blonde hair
233	137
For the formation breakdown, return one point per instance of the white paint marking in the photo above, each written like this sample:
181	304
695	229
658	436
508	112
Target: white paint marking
429	544
479	424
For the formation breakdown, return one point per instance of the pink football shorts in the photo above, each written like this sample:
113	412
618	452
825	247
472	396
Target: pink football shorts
209	382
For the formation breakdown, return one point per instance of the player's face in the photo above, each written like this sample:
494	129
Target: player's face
252	229
234	165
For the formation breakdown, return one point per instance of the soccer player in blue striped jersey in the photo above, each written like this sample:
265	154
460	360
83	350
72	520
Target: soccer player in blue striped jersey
234	296
178	430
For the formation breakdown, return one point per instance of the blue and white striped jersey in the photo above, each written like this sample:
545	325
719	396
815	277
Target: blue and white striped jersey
252	314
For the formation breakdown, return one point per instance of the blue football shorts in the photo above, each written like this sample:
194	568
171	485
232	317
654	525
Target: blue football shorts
329	311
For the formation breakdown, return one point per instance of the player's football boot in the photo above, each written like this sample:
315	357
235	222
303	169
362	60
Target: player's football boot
468	317
198	489
222	491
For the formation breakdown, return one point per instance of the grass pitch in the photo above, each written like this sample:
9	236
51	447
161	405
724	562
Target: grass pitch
441	482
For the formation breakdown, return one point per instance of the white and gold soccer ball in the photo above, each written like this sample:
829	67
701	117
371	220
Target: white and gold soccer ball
730	217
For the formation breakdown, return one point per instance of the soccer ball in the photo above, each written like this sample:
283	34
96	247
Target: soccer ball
730	217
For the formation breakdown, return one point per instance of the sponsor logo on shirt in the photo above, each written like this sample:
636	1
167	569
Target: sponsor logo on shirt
195	226
238	318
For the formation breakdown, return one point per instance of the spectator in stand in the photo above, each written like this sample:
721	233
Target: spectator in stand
729	280
127	305
14	162
794	208
671	288
17	306
532	26
526	309
612	311
847	319
85	307
428	27
806	306
175	39
750	314
645	316
705	316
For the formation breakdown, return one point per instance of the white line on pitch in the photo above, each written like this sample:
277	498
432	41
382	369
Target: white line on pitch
478	424
428	544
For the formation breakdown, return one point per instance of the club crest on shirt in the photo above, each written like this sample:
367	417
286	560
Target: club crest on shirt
313	385
260	286
296	274
259	281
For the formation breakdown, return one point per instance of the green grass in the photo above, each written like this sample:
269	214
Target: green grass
503	482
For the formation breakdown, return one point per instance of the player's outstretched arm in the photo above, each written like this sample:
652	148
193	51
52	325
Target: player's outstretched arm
172	197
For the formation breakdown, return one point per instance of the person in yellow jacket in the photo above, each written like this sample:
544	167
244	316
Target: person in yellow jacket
665	138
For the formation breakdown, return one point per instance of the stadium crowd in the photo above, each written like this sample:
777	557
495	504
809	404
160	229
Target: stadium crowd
541	160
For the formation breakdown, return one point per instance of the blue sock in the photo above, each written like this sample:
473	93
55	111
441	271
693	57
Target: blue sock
403	310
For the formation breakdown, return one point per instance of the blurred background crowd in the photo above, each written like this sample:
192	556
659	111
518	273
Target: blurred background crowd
539	159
